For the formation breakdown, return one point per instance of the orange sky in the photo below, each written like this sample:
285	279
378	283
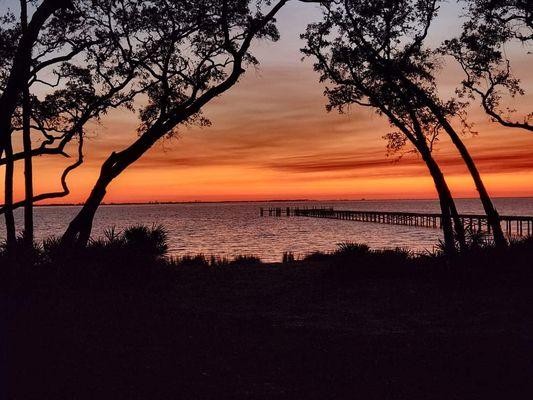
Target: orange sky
272	139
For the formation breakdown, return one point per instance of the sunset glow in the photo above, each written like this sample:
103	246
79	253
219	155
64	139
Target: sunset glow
271	138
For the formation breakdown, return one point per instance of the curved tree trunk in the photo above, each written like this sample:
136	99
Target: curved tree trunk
447	228
493	217
442	188
79	230
436	173
447	203
444	192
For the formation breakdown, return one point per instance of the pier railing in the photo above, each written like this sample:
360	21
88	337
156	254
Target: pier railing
513	225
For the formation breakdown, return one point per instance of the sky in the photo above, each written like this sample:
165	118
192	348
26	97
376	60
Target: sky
271	138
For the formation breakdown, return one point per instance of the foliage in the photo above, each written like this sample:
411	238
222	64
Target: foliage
316	256
481	52
164	59
351	249
216	263
373	53
136	257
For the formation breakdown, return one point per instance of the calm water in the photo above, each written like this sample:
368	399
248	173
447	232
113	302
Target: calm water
228	229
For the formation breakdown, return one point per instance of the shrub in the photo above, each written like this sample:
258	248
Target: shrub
198	260
52	251
350	249
151	242
317	256
129	257
244	261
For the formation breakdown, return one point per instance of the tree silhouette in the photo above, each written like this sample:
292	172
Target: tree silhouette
512	18
355	67
188	54
16	79
385	40
79	60
480	51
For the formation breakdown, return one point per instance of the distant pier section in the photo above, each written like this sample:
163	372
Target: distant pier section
513	225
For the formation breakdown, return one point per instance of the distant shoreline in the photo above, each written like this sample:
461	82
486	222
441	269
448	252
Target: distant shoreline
265	201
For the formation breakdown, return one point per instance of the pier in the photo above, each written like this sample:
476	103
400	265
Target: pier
513	225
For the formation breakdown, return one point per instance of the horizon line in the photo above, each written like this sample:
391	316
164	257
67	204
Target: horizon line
155	202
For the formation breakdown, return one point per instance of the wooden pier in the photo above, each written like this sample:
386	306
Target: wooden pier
288	211
513	225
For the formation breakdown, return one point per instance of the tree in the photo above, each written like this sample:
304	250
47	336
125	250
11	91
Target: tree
202	48
89	74
16	79
444	112
480	51
356	46
26	139
512	18
27	49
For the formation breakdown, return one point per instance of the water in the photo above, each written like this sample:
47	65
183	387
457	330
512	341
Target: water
229	229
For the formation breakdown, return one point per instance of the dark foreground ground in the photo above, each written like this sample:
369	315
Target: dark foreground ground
274	332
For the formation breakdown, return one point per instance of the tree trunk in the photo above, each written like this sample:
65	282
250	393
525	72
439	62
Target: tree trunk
447	204
26	138
458	223
79	230
444	191
493	217
28	173
449	240
446	201
11	234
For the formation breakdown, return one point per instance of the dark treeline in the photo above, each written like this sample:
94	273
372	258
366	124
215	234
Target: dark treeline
66	64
